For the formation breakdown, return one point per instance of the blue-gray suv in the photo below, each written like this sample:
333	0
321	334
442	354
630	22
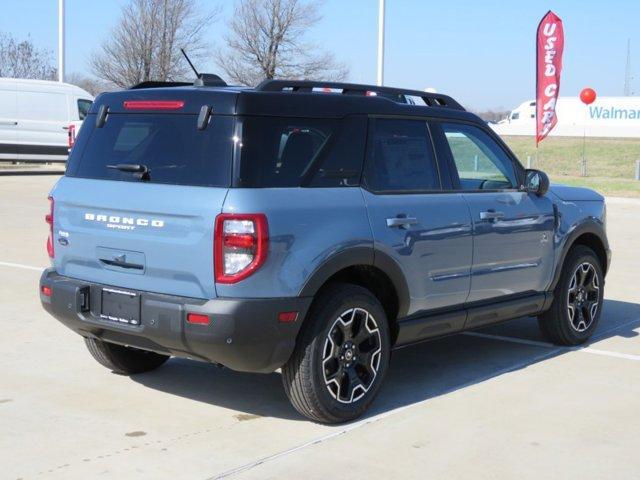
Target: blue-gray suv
310	227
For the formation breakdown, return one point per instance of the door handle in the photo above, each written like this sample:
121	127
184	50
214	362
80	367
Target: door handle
65	128
9	123
491	215
401	222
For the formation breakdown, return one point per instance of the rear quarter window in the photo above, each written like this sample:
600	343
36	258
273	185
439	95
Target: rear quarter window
301	152
169	145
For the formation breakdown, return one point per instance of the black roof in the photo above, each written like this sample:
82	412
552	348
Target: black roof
290	98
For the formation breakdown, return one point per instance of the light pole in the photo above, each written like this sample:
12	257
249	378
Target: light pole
61	40
380	80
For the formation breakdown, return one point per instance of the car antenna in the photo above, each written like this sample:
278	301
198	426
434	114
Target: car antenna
190	64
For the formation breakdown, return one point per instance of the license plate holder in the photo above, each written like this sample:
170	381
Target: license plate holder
121	306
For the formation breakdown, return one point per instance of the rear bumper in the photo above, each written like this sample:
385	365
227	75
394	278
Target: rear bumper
243	334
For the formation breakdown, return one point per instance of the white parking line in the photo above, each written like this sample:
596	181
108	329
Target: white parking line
585	349
608	353
19	265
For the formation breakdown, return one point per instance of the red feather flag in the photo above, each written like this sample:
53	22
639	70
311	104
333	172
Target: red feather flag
549	47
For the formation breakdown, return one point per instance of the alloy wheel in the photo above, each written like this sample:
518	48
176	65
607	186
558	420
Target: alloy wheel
583	297
351	355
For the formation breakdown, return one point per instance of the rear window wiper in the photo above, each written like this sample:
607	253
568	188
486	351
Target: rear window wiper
140	171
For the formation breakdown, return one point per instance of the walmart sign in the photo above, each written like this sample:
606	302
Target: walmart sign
613	113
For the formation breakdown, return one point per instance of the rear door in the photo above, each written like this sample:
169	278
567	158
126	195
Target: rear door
425	230
153	233
512	229
8	121
43	118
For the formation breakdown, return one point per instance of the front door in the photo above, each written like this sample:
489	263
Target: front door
512	229
425	230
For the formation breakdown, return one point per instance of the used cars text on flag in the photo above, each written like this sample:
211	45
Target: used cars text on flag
549	47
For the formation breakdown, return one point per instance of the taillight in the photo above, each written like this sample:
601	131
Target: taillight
71	135
153	104
49	219
240	245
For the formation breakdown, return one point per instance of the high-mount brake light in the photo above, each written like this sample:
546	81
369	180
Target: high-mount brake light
153	104
240	245
49	219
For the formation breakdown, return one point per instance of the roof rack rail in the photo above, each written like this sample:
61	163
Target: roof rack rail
158	84
307	86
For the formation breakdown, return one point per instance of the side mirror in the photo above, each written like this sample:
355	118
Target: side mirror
536	182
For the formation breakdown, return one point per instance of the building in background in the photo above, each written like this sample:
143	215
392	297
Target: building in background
615	117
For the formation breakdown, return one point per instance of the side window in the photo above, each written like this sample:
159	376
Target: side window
83	108
400	157
480	162
301	152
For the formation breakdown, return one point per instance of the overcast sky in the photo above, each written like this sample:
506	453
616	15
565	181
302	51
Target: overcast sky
481	52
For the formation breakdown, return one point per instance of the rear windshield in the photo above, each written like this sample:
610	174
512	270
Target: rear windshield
301	152
169	145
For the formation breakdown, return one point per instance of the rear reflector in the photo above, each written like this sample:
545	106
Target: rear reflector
153	104
287	317
198	318
46	291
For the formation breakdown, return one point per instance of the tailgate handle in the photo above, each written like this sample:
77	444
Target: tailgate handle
122	264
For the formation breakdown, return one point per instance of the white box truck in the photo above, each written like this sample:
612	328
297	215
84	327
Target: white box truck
36	116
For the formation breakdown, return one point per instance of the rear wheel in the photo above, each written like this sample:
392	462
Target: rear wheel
124	360
342	356
578	299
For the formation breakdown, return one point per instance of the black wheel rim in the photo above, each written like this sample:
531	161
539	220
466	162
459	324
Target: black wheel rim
351	355
583	297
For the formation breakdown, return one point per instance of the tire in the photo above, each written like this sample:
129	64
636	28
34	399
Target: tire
338	365
124	360
578	299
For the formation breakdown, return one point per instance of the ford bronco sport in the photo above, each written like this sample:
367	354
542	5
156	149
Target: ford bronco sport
310	227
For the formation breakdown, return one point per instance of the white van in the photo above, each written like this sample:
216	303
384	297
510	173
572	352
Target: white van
35	116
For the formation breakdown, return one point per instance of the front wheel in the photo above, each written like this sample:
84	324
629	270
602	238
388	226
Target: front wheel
578	300
342	356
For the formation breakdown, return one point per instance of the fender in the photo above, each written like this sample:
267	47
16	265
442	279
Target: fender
360	256
588	226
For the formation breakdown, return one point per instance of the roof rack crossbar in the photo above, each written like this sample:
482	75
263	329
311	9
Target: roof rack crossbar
307	86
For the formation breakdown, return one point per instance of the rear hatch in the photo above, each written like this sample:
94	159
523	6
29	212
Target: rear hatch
137	206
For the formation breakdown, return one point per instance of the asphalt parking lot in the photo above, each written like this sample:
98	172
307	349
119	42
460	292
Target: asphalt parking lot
498	403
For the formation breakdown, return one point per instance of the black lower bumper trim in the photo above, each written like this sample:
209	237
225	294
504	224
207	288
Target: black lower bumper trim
243	334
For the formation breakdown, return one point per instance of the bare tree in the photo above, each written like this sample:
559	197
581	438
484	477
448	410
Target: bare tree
266	40
92	85
145	44
21	59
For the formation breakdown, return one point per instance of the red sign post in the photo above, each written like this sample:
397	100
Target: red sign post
549	47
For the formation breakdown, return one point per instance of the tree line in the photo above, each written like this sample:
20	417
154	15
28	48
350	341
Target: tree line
264	39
